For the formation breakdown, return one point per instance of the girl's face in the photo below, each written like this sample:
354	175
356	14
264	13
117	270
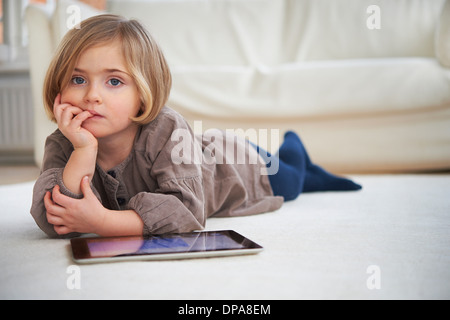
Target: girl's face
102	85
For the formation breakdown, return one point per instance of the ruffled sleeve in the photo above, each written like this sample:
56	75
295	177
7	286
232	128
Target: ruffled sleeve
177	207
177	203
57	152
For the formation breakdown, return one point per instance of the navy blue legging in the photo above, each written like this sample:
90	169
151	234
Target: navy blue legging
291	171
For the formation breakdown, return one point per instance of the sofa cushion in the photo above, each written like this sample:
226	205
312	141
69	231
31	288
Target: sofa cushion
268	32
313	89
209	32
324	30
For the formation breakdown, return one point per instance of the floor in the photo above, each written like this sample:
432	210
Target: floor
388	241
10	174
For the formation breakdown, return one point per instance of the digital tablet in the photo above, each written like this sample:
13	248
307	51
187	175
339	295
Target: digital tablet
162	247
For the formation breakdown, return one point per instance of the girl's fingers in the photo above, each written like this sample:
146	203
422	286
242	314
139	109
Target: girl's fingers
60	199
61	229
82	116
50	207
65	112
54	220
57	108
53	211
70	119
77	121
73	116
57	102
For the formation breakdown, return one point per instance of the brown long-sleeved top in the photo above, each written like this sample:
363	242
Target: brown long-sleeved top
172	178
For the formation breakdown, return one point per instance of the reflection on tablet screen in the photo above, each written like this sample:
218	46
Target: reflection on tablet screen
193	242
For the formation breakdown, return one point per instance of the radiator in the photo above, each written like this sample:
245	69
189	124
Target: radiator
16	117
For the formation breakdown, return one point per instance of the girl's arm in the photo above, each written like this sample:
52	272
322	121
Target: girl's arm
57	153
87	215
121	223
83	158
70	154
81	163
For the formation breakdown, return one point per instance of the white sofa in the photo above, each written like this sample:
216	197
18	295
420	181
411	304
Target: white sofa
366	84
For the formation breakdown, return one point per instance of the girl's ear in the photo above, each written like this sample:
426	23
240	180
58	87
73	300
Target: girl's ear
141	110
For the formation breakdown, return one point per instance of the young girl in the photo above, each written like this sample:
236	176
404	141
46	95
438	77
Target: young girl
114	166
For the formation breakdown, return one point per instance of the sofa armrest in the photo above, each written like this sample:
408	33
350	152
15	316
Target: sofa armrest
40	51
46	26
443	36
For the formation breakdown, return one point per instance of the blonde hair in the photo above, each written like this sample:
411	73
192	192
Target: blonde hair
144	59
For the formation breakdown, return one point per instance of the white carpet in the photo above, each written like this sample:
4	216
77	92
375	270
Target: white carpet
320	246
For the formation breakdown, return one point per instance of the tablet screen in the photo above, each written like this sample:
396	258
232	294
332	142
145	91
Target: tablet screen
193	242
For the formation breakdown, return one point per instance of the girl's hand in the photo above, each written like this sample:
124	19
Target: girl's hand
70	119
75	215
88	215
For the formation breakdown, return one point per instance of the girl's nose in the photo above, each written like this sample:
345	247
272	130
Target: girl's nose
93	95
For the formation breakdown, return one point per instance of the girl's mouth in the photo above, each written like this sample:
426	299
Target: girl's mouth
95	115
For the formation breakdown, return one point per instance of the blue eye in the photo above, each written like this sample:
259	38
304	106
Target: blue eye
78	80
114	82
